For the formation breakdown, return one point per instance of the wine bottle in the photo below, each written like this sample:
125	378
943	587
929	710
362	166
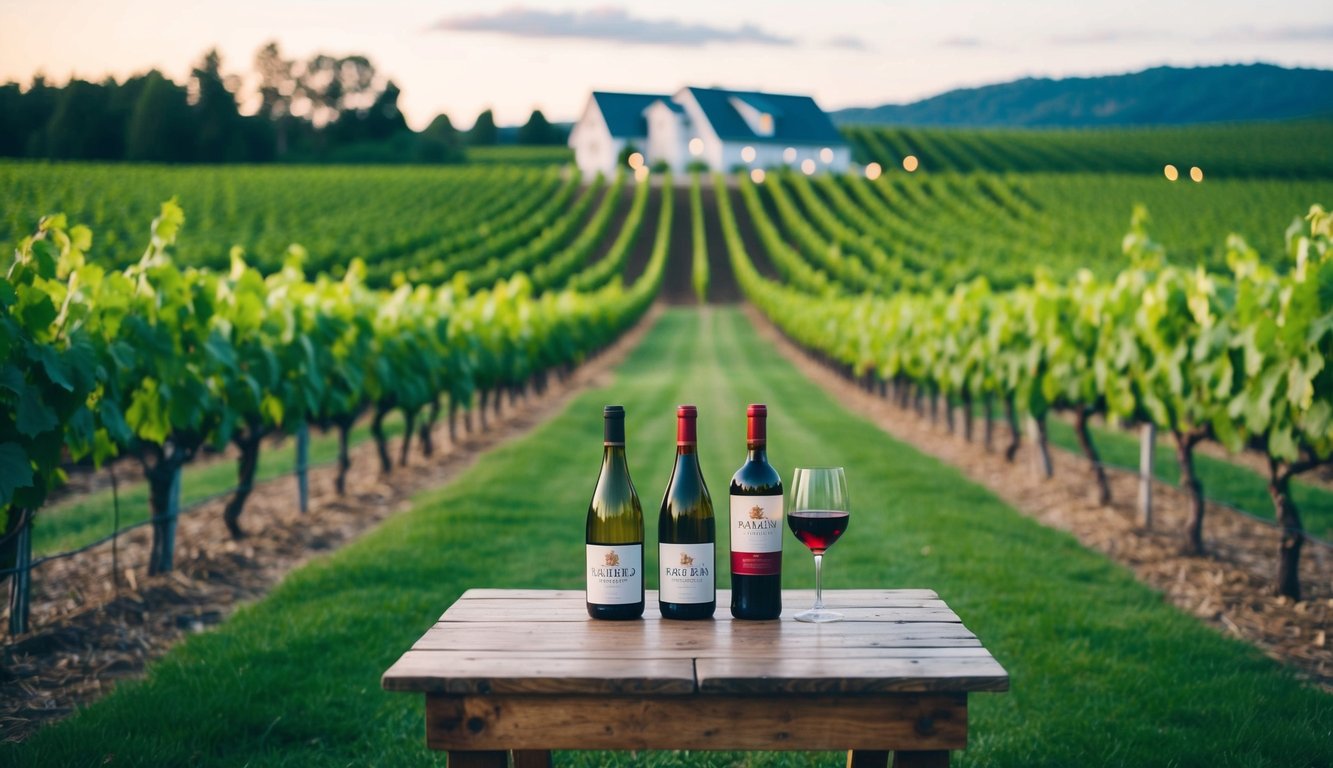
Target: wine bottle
615	530
756	527
685	532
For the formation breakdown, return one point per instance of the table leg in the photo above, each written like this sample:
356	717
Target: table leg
932	759
867	758
532	758
460	759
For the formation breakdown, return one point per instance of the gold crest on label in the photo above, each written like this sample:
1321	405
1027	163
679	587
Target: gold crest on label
612	558
686	559
756	513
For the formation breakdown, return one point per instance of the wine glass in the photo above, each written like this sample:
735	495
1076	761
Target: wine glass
818	515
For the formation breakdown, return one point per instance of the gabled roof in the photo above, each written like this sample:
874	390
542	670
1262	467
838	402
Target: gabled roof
796	119
624	112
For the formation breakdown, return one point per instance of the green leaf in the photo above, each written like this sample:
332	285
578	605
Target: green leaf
53	365
108	413
34	415
36	310
15	471
146	414
45	257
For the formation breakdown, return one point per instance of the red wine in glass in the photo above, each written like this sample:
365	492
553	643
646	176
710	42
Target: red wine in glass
818	528
818	515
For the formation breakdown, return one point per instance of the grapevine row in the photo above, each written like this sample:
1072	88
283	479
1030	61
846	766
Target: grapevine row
158	361
1238	356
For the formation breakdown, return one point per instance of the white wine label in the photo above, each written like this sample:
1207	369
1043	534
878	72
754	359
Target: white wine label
687	573
615	574
756	535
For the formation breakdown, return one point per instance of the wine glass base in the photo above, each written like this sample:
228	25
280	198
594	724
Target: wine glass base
818	616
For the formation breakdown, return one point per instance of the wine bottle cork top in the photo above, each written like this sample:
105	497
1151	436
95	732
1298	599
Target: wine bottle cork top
686	416
756	424
613	428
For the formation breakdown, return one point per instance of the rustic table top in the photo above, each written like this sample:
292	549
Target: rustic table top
498	642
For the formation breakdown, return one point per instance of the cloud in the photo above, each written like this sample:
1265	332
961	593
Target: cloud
1107	36
847	43
963	42
611	24
1312	34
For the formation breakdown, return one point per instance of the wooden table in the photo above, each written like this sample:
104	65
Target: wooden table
527	671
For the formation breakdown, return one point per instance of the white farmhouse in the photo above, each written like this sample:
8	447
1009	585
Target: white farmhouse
718	128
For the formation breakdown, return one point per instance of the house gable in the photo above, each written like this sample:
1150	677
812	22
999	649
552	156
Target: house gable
623	112
794	119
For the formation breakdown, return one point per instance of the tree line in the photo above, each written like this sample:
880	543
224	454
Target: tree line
323	109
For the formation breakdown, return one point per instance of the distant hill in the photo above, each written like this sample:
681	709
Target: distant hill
1159	96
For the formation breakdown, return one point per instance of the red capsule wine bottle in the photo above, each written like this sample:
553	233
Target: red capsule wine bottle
756	527
615	531
686	532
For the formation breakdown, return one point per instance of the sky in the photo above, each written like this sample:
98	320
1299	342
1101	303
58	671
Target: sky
462	57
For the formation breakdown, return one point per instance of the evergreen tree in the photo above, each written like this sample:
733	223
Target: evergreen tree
160	129
216	118
537	130
78	129
440	142
483	133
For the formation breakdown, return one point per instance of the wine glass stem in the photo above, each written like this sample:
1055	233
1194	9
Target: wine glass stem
819	586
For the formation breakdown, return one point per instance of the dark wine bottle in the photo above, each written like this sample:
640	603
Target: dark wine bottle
756	527
686	532
615	530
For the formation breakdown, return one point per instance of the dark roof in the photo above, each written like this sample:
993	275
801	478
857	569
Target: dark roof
796	119
624	112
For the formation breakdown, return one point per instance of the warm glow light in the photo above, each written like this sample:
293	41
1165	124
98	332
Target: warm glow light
696	146
747	154
636	160
789	155
826	155
1171	173
910	163
1196	173
873	171
808	166
757	175
641	173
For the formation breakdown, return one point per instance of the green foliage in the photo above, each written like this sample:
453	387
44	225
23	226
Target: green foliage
699	241
1297	149
1083	641
1240	354
160	359
49	384
483	132
538	131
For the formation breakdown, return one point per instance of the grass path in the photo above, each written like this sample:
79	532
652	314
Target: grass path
1103	672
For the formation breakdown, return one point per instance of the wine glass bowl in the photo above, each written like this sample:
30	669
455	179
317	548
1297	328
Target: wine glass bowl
818	515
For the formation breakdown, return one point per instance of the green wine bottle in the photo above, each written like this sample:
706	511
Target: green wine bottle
686	532
615	530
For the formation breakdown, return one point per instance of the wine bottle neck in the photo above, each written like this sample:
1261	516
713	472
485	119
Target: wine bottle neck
758	451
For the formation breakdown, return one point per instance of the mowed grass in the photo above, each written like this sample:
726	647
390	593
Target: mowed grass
85	518
1103	672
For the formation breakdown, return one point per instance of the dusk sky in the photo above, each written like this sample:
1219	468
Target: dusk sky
461	57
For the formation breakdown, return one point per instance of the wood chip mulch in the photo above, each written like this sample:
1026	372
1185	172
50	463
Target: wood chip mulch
1230	588
93	624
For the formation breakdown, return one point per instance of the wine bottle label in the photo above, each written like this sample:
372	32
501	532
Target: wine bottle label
615	574
687	573
756	535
